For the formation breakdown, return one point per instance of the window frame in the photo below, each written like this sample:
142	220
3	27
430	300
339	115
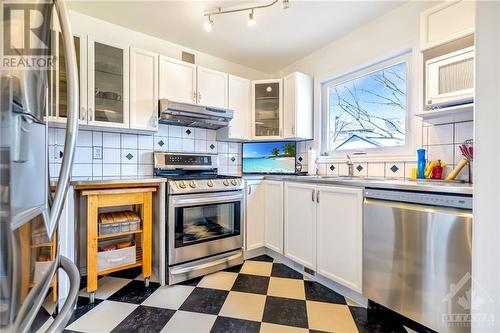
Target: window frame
403	151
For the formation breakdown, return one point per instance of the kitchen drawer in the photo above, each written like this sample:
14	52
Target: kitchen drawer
115	258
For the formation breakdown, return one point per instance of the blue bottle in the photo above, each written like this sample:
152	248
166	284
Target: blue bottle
421	163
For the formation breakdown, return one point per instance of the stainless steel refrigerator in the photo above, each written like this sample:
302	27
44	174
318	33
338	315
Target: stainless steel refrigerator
29	210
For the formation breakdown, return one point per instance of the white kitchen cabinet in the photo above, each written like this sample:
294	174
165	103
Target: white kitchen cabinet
255	217
211	87
298	106
143	90
267	109
300	223
339	235
239	100
108	84
446	22
274	215
177	80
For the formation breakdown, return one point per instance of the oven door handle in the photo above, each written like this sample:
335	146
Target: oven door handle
183	201
184	270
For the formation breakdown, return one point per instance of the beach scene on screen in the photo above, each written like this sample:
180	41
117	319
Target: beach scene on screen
269	157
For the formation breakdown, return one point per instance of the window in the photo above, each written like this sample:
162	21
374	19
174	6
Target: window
367	110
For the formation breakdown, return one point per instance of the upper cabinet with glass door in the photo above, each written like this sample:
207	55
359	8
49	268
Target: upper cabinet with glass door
267	109
108	84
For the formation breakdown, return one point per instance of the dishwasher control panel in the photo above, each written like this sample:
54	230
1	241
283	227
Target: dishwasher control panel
423	198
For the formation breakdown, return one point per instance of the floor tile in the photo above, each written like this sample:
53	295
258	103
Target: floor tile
234	269
257	268
189	322
282	270
317	292
145	319
284	311
40	320
130	273
263	257
134	292
106	286
368	321
192	282
205	300
169	297
330	317
251	284
288	288
103	318
275	328
82	307
44	326
243	306
218	280
232	325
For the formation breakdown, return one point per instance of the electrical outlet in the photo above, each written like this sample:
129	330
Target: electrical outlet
97	153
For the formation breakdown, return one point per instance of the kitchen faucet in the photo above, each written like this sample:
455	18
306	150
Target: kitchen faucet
350	166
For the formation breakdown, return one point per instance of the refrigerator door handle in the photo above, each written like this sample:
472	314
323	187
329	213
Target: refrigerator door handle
72	121
64	315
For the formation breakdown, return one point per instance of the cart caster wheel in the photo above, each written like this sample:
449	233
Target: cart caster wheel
92	297
146	282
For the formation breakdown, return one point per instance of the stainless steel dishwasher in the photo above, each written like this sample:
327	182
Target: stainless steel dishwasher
417	255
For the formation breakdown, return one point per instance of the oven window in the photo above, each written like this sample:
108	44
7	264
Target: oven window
197	224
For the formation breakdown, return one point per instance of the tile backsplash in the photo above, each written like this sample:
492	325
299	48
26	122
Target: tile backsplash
101	154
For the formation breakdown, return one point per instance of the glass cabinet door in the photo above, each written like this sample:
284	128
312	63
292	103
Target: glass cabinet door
62	103
267	108
109	73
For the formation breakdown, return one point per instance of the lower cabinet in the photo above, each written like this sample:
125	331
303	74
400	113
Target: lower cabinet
255	215
274	215
339	235
300	224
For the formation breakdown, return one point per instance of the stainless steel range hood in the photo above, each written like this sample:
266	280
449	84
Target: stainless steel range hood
193	115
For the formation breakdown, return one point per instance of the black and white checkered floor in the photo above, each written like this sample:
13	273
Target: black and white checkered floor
258	296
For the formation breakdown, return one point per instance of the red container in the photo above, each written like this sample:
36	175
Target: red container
437	172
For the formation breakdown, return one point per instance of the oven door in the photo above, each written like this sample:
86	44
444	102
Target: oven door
204	224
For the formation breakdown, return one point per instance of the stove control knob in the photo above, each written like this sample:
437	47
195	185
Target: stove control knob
192	184
181	184
226	182
210	183
233	182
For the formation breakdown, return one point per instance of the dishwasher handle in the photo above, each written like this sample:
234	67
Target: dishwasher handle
419	207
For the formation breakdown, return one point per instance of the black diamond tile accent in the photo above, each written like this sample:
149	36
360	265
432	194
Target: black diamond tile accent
212	146
233	325
254	284
188	131
145	319
129	156
233	159
300	158
394	168
134	292
332	167
82	307
263	257
285	311
283	271
205	300
61	153
161	143
359	167
317	292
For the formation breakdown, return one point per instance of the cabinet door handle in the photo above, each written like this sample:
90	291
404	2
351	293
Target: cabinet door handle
249	189
312	195
83	114
194	95
199	97
317	197
91	115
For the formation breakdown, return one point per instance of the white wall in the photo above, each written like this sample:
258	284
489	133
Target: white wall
383	37
83	24
486	226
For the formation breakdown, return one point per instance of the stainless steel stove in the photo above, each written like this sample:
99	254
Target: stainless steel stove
205	214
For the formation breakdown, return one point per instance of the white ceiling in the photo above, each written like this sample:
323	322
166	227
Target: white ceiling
280	37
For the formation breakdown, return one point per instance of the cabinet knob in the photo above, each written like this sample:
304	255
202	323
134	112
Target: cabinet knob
194	95
199	97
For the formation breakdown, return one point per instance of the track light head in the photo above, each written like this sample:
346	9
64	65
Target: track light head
209	24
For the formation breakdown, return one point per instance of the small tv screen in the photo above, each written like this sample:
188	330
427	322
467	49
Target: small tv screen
269	157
